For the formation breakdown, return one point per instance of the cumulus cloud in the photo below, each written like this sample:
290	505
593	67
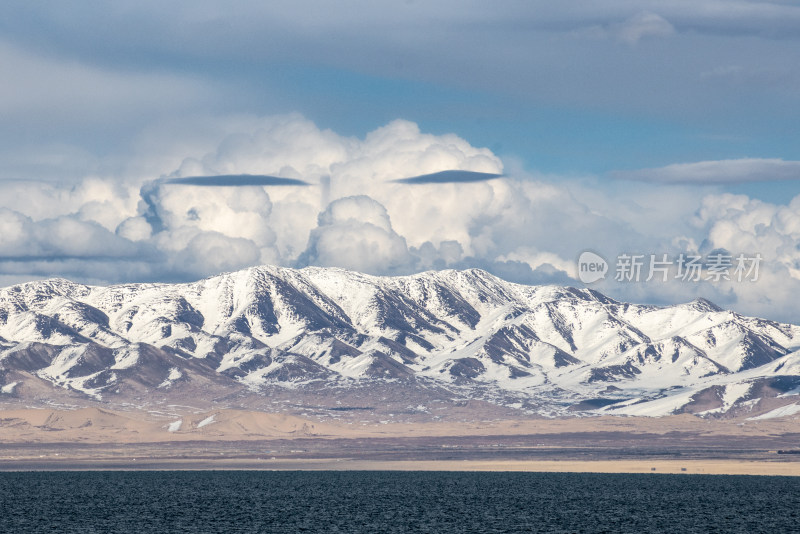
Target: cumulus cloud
526	228
23	239
356	233
217	210
292	146
536	259
717	172
215	252
103	200
740	224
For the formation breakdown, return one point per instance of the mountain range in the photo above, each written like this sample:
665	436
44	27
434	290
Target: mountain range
426	345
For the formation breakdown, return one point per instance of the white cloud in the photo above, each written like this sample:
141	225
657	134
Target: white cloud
23	238
103	200
289	146
736	222
185	228
356	233
641	25
536	259
718	172
293	147
135	229
214	252
529	228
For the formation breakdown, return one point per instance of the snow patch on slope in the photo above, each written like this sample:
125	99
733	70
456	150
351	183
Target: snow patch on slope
783	411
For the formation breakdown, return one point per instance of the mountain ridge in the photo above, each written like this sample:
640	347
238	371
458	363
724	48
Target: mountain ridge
245	336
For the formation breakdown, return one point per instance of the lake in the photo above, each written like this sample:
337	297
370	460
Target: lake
370	501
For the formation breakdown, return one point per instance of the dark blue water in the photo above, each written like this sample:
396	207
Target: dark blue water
230	501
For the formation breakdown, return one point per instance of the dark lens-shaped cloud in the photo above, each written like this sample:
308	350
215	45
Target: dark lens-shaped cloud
235	180
449	177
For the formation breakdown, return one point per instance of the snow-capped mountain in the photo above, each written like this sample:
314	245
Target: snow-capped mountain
542	349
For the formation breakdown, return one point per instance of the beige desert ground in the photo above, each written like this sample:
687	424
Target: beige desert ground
95	438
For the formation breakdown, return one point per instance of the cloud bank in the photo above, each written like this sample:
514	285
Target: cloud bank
364	216
730	171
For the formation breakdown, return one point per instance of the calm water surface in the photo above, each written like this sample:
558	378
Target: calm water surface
231	501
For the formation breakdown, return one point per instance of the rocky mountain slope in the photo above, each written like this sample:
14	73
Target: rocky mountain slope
352	342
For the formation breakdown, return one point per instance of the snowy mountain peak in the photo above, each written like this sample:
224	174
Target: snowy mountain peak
545	349
703	305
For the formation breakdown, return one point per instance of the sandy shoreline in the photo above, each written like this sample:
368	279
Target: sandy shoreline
691	467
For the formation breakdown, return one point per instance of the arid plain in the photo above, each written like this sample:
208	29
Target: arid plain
95	438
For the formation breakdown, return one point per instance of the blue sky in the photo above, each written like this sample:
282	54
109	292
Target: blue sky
577	87
672	121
